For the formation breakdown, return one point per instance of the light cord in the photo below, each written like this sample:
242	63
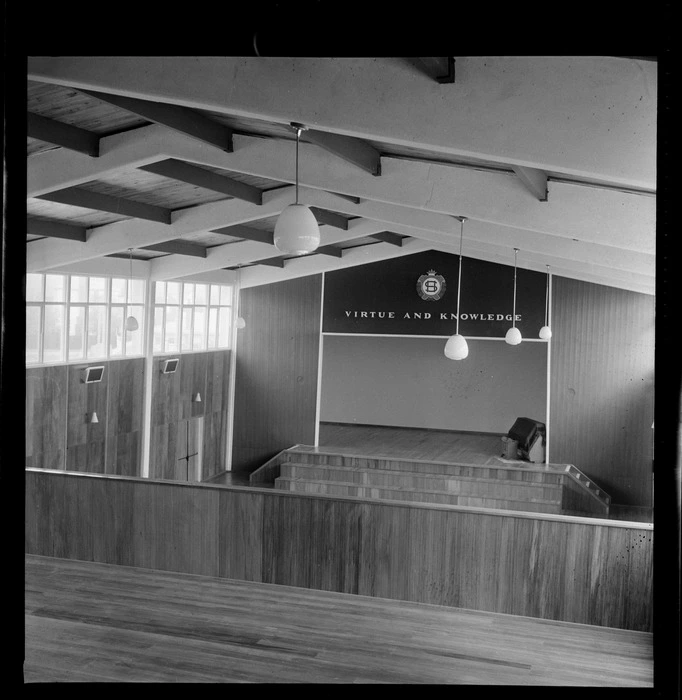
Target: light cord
459	279
516	250
547	299
298	135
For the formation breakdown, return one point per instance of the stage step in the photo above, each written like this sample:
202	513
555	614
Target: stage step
423	481
545	474
335	488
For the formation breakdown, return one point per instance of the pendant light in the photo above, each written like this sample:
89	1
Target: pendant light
239	322
131	321
296	230
546	331
513	336
456	347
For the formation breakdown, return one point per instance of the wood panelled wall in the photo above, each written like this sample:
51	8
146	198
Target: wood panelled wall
578	570
206	373
276	370
59	405
602	386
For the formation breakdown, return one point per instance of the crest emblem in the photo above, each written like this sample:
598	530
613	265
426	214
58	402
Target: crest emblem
431	287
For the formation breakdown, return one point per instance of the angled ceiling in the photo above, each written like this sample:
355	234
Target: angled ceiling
188	161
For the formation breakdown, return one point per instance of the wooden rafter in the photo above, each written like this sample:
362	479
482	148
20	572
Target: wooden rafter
64	135
350	149
79	197
179	247
55	229
388	237
200	177
186	121
534	180
247	232
330	218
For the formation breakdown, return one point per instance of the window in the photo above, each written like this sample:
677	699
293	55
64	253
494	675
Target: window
190	317
77	317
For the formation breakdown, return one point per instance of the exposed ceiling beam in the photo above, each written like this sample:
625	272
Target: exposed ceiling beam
186	121
79	197
250	251
130	233
442	70
555	92
194	175
55	229
178	247
349	197
613	226
388	237
619	219
352	150
444	229
314	264
129	149
247	232
332	250
270	262
114	266
534	180
330	218
64	135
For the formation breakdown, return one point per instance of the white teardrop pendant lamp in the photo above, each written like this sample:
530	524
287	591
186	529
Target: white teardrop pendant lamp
296	230
131	321
546	331
456	347
239	323
513	336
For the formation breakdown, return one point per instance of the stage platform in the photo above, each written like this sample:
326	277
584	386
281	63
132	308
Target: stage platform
483	449
91	622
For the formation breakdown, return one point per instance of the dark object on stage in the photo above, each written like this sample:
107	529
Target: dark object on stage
530	436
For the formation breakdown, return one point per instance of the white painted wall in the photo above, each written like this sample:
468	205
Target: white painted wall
409	382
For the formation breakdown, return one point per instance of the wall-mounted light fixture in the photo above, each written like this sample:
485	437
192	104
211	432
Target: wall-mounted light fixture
196	398
93	417
456	347
513	336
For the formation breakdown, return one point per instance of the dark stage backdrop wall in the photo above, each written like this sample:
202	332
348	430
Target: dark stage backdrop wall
602	386
175	416
417	295
59	404
276	370
409	382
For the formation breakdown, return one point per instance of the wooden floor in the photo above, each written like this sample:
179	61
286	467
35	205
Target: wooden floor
88	622
413	443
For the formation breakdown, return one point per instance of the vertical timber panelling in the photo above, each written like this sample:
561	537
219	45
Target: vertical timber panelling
205	373
276	371
124	413
578	570
164	421
216	413
602	386
58	408
46	417
85	441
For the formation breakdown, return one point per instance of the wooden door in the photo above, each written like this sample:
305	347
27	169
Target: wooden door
189	449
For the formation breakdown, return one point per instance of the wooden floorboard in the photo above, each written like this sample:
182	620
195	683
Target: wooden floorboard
413	443
90	622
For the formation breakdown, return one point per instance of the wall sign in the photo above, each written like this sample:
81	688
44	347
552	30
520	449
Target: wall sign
417	295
